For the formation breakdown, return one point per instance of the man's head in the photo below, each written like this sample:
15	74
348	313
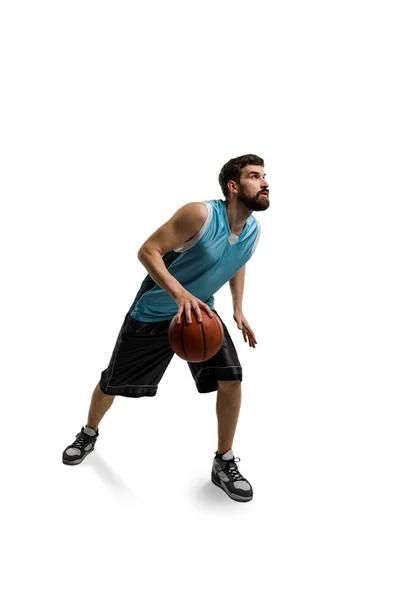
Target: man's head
244	177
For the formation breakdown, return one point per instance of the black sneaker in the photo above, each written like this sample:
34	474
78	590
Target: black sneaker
82	446
225	475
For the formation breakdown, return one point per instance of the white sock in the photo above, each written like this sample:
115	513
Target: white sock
89	431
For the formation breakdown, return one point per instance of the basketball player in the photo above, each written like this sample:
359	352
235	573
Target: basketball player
188	259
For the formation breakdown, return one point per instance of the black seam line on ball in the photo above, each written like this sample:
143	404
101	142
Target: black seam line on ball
183	341
204	341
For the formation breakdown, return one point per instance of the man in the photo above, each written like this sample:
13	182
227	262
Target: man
189	258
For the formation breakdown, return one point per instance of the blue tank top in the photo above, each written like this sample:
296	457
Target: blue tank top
202	265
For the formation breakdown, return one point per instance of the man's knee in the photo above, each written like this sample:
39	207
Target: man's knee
229	385
100	394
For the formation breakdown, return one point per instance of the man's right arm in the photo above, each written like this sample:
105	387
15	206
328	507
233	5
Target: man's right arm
182	226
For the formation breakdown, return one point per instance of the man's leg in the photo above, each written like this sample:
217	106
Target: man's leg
229	397
86	440
98	407
225	473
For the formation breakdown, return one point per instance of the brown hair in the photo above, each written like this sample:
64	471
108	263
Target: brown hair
232	170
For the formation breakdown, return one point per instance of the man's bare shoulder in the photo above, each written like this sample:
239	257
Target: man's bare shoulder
181	227
190	218
193	210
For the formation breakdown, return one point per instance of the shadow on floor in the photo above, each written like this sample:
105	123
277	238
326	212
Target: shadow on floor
115	484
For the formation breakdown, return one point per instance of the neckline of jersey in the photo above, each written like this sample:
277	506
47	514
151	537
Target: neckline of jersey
240	237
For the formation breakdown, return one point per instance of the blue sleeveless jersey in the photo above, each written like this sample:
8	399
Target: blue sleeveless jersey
202	265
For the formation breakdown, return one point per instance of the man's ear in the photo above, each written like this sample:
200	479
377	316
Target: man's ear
232	186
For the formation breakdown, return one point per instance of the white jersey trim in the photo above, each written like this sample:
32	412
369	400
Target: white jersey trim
192	242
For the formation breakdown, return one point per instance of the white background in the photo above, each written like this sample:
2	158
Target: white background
113	115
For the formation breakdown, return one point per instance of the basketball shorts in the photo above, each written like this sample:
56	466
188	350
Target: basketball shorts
142	354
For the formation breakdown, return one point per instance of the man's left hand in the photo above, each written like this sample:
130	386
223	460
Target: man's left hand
248	333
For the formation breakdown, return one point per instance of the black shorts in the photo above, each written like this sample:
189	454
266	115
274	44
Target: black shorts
142	354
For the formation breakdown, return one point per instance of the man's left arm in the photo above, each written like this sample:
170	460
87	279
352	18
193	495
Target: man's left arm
236	285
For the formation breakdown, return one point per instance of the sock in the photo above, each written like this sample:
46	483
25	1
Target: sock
226	456
89	431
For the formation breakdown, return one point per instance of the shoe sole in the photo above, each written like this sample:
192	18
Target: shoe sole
78	460
232	496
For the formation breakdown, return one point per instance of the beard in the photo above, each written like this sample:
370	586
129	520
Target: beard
256	202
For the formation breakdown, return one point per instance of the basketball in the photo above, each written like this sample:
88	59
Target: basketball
196	342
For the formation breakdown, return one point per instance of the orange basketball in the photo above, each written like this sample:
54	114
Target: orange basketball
196	342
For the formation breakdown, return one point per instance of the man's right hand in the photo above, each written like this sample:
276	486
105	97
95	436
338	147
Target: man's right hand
186	303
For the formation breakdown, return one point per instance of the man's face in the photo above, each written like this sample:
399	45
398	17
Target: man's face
253	188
